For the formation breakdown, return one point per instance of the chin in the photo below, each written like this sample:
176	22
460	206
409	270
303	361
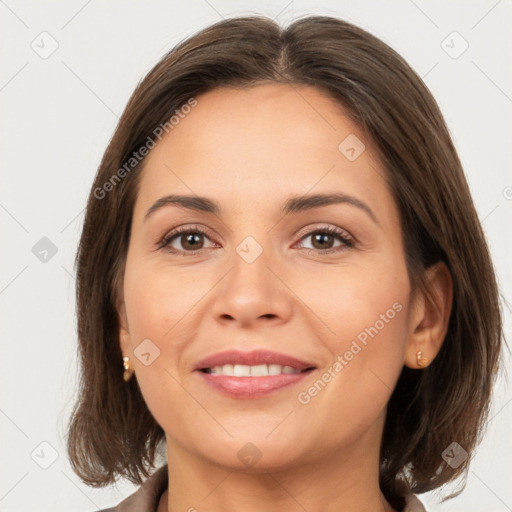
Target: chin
253	453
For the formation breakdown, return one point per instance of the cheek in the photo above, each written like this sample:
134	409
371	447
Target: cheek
158	299
160	309
367	353
154	318
374	317
362	303
365	309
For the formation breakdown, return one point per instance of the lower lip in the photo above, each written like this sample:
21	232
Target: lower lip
252	387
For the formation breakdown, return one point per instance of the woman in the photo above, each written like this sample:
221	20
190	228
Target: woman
282	282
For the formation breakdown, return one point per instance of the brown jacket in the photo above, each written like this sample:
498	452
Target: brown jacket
146	498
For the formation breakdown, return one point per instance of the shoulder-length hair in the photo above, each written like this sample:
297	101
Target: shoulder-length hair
111	431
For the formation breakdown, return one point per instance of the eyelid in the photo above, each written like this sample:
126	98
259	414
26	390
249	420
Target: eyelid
308	230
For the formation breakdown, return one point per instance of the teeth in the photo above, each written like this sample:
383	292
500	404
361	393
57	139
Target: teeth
274	369
240	370
260	370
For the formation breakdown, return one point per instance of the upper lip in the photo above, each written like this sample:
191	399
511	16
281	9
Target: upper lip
252	358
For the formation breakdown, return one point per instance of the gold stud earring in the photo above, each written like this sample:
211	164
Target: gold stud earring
127	370
419	359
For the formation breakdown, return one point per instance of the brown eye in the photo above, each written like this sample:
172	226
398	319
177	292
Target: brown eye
184	241
191	241
323	240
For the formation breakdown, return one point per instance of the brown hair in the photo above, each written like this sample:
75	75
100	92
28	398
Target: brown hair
111	431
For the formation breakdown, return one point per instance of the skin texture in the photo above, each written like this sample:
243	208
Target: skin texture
250	150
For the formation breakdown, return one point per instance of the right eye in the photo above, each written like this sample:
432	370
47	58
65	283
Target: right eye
189	238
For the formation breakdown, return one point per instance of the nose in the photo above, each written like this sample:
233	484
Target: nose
253	291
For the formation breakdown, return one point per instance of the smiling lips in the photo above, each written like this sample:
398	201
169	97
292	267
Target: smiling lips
251	374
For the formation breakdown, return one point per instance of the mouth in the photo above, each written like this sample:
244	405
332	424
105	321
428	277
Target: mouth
260	370
252	374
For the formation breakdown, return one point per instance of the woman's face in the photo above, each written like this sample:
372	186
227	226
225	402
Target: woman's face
262	273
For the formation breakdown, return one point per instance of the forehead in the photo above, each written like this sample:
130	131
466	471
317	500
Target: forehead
245	145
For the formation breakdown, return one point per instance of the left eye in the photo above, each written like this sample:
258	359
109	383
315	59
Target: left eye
326	236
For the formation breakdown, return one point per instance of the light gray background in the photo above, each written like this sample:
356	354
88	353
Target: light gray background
58	114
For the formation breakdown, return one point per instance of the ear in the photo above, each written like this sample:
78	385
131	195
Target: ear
430	317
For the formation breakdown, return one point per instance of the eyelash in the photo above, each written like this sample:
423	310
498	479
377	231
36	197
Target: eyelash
339	233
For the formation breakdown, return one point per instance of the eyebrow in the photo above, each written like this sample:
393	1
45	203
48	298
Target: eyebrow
292	205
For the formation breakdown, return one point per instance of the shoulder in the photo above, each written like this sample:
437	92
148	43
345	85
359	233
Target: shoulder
413	504
146	497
